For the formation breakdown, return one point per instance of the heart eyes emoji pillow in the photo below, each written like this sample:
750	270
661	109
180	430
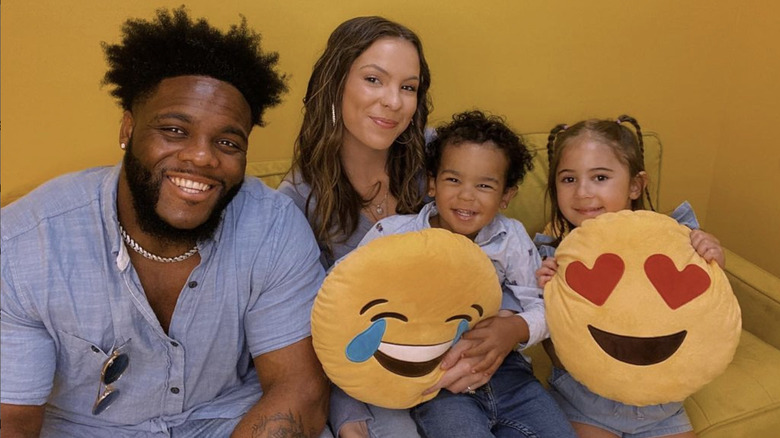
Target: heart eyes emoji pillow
635	314
388	312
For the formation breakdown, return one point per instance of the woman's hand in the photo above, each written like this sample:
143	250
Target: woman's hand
458	376
547	271
356	429
494	339
707	246
478	354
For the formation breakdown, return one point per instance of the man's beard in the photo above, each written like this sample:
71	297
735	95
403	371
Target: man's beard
145	191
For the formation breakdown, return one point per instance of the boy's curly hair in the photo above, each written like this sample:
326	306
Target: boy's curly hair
477	127
174	45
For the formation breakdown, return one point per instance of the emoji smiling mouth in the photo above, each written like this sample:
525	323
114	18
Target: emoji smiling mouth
410	360
635	350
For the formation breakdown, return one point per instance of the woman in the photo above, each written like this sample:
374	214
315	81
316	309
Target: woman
359	153
359	158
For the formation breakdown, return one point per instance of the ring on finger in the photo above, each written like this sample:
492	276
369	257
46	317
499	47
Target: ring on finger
469	390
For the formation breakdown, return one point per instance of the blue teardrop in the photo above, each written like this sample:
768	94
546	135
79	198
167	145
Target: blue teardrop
463	326
364	345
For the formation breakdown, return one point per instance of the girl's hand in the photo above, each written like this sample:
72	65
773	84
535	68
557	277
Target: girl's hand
547	271
707	246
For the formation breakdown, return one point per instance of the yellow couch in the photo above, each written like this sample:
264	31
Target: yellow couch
745	400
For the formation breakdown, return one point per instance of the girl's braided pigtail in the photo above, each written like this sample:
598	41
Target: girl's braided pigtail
551	140
626	118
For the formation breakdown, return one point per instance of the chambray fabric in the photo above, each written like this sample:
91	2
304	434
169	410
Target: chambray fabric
684	215
70	295
294	187
508	246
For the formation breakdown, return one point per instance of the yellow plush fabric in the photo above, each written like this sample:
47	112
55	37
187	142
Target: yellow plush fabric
388	312
635	314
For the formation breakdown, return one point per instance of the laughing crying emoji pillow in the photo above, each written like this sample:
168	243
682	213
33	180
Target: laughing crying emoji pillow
389	311
635	314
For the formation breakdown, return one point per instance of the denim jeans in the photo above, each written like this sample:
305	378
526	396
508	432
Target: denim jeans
512	404
391	423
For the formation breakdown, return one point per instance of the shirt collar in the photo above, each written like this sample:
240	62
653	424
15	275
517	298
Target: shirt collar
493	230
487	234
108	193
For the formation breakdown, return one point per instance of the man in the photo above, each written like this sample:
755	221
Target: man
169	295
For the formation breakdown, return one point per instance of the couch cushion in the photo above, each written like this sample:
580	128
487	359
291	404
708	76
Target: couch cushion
745	400
271	172
758	293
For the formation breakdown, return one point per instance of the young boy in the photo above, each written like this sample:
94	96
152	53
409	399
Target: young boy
474	165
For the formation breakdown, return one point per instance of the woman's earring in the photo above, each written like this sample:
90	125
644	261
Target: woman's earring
122	146
333	113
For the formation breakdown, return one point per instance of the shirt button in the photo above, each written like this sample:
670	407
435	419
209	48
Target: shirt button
174	343
175	390
193	284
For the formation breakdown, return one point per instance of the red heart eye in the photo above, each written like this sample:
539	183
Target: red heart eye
676	287
596	284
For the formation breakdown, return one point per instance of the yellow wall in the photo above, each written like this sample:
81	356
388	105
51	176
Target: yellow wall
702	74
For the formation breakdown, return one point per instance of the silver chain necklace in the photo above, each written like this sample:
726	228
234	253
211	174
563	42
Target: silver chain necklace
137	248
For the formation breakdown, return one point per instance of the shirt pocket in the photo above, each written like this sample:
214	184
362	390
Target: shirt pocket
78	376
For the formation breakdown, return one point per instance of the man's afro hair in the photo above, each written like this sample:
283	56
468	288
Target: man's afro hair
173	45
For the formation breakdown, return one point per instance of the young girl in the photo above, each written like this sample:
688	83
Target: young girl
597	166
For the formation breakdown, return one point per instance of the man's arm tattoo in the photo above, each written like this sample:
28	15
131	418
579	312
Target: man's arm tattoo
281	426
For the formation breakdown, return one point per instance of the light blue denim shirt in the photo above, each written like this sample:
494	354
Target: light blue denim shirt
508	246
294	187
70	296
